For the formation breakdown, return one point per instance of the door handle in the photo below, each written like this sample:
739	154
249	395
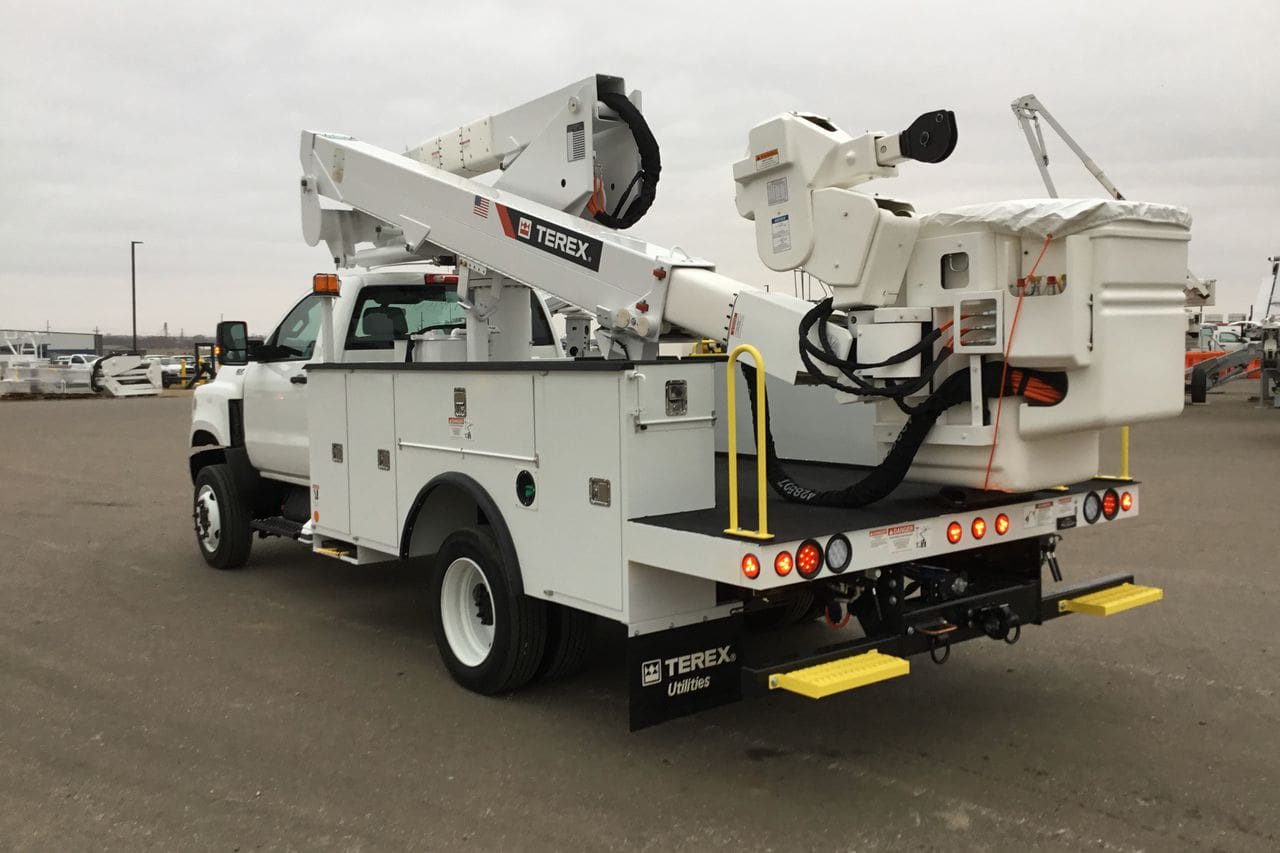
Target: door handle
298	379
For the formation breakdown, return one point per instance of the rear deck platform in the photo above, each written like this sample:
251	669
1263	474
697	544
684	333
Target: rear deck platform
790	521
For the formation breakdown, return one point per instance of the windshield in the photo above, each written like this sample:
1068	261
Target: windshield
386	313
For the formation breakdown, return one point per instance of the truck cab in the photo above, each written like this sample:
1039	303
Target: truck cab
258	407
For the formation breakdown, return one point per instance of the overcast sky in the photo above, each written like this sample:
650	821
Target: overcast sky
177	123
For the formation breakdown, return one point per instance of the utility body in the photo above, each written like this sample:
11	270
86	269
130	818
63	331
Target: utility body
481	383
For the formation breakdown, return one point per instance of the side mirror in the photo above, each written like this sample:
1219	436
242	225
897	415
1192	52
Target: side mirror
232	342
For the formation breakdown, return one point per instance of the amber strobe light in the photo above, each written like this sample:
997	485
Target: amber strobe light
979	528
1002	524
782	564
809	559
325	283
954	532
1126	501
751	566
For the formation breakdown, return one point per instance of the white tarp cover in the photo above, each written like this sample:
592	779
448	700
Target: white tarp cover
1061	217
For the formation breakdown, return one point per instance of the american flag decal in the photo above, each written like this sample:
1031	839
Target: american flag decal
481	207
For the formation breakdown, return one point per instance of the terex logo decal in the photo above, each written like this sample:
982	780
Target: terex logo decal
652	671
568	245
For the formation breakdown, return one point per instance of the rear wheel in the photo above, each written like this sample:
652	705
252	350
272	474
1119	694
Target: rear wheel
568	641
221	519
490	637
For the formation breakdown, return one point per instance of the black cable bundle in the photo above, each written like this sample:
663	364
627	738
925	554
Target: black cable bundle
650	165
881	480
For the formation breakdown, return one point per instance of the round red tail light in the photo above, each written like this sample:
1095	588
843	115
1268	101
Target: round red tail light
979	528
1110	504
954	532
751	566
1002	524
783	564
1126	501
809	559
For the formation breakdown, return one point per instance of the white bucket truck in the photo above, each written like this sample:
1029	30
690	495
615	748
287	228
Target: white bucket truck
921	437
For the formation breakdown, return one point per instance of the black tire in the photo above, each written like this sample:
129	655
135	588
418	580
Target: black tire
519	623
793	611
229	548
569	633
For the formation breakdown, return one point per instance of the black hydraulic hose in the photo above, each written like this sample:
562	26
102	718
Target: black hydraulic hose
859	385
650	164
881	480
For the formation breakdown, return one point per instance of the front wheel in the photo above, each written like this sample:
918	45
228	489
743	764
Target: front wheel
490	637
221	519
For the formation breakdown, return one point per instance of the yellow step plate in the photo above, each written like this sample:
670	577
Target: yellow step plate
825	679
1108	602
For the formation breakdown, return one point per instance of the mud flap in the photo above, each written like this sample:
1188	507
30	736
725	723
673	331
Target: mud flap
681	671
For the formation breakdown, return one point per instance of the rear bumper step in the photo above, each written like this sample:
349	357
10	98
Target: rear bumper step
1107	602
807	675
837	676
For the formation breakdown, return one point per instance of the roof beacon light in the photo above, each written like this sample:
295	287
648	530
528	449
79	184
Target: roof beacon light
324	284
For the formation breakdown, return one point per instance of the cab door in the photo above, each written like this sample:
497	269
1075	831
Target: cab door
275	404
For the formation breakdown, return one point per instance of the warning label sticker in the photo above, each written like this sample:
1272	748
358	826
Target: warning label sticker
901	537
1039	515
767	159
781	232
777	191
1048	513
459	428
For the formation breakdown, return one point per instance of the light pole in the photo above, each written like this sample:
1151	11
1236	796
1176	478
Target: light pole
133	287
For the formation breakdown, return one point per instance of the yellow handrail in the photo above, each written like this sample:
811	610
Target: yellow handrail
1124	458
762	494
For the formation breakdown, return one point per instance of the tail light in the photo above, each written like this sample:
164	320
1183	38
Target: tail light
1110	504
751	566
954	532
1126	501
809	559
979	528
1002	524
783	564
